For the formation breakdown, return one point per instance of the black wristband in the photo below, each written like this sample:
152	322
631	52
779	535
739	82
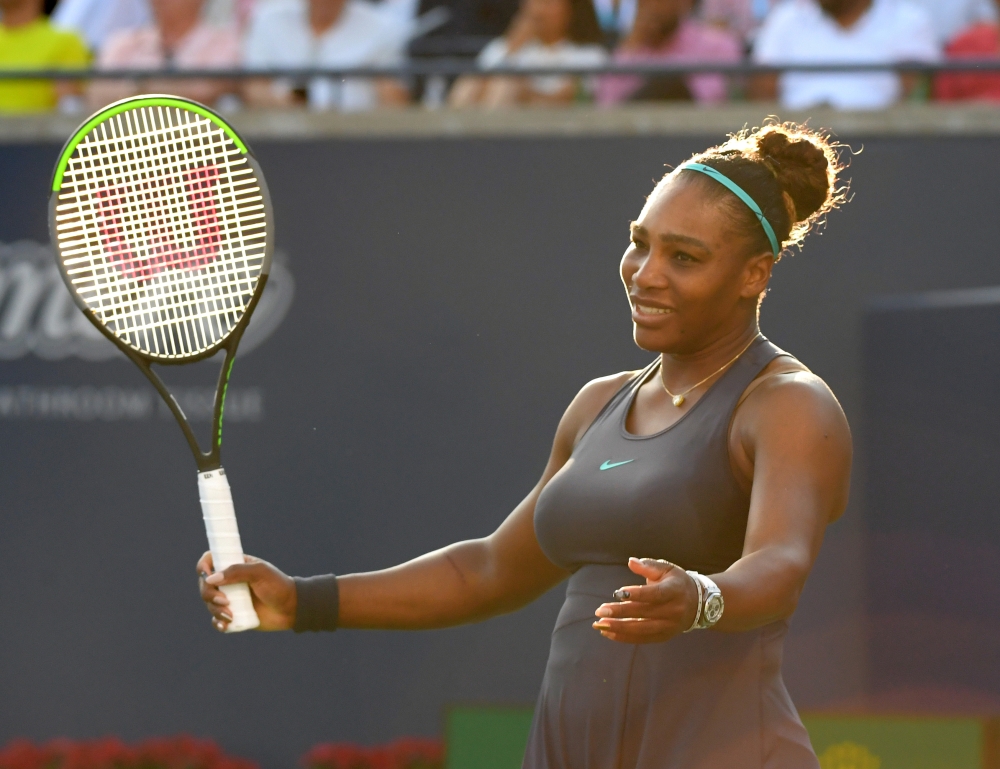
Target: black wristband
318	603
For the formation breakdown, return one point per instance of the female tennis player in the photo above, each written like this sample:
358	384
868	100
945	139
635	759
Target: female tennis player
685	502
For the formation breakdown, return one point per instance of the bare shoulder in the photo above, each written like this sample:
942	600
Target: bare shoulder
790	430
603	388
787	396
588	403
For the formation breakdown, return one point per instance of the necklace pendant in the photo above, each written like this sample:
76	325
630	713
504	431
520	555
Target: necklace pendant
679	400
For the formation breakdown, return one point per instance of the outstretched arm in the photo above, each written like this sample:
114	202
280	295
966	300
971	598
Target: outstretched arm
796	438
464	582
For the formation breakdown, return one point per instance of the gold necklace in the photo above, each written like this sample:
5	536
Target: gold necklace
679	399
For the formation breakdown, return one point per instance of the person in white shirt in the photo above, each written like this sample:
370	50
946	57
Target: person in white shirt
842	31
949	17
96	20
404	11
324	33
545	33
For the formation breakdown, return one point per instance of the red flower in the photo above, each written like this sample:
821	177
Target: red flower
111	753
405	753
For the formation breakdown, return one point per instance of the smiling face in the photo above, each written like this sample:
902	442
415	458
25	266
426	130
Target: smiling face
689	276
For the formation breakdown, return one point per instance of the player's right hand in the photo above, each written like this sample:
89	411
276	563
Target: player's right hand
273	592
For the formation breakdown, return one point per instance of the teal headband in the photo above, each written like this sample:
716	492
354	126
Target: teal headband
741	194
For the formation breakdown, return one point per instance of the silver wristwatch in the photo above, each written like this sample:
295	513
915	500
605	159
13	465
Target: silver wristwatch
710	602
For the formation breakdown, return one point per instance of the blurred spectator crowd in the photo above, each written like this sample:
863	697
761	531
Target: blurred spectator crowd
252	35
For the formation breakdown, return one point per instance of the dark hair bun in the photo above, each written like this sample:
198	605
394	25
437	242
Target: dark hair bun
790	171
801	166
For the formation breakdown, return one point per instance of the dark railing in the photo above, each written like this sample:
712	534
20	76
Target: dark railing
458	66
448	45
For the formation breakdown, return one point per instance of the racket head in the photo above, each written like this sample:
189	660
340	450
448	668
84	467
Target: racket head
162	226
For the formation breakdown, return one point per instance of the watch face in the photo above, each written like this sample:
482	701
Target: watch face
713	609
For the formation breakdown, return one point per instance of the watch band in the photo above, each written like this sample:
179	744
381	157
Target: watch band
701	600
710	603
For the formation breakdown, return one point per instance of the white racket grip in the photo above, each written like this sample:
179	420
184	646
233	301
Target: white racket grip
224	542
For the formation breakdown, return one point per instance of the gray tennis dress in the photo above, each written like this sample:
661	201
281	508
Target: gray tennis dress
703	700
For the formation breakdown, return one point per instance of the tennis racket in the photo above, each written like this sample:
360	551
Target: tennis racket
163	232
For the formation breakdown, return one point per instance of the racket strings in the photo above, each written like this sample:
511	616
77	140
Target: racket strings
161	227
158	250
162	252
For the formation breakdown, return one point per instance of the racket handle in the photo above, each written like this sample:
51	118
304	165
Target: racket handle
224	542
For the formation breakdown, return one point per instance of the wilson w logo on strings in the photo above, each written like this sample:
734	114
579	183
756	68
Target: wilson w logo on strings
178	217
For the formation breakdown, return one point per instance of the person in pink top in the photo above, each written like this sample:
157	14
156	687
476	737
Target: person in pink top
180	39
666	31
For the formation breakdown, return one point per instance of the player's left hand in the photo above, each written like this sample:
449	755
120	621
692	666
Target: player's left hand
657	611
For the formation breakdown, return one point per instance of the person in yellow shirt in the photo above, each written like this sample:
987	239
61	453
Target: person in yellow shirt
29	41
